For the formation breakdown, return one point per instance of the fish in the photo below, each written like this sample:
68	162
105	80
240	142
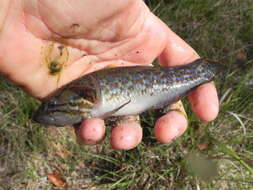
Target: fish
123	91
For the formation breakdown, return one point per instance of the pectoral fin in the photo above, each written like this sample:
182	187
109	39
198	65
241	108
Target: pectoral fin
108	114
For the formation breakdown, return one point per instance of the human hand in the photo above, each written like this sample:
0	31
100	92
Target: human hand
46	44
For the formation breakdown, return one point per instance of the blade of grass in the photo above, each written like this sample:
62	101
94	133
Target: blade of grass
231	153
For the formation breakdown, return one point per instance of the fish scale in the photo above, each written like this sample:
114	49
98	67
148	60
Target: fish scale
125	91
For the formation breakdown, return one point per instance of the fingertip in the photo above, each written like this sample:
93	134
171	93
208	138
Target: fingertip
204	102
170	126
91	131
126	136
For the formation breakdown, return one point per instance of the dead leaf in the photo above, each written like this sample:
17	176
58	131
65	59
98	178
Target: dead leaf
56	179
241	55
202	146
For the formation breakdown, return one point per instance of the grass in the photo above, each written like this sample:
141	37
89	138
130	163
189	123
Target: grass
215	155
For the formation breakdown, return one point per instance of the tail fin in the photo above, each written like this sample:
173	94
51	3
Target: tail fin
215	67
210	68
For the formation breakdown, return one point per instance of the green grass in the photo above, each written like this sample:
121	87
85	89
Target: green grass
217	29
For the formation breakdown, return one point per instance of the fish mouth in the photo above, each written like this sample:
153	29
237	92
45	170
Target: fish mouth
44	119
58	119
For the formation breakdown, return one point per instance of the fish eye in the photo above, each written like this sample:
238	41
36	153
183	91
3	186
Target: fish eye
52	102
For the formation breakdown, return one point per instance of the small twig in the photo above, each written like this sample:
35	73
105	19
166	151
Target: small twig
244	117
225	95
7	114
239	120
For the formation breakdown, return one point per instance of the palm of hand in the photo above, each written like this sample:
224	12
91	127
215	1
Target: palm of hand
43	30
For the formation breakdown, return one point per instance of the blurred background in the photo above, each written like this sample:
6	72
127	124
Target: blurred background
215	155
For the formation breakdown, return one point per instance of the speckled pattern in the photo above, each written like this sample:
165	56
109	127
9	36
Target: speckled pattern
148	87
127	90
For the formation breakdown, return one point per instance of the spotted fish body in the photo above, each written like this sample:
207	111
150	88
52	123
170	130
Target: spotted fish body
125	91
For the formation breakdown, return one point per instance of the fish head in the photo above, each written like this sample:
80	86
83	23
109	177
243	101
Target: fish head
66	108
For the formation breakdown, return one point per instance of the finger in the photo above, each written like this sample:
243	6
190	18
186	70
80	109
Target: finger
204	102
91	131
204	99
171	125
127	134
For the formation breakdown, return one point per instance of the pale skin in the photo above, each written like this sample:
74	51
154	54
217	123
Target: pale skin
97	34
